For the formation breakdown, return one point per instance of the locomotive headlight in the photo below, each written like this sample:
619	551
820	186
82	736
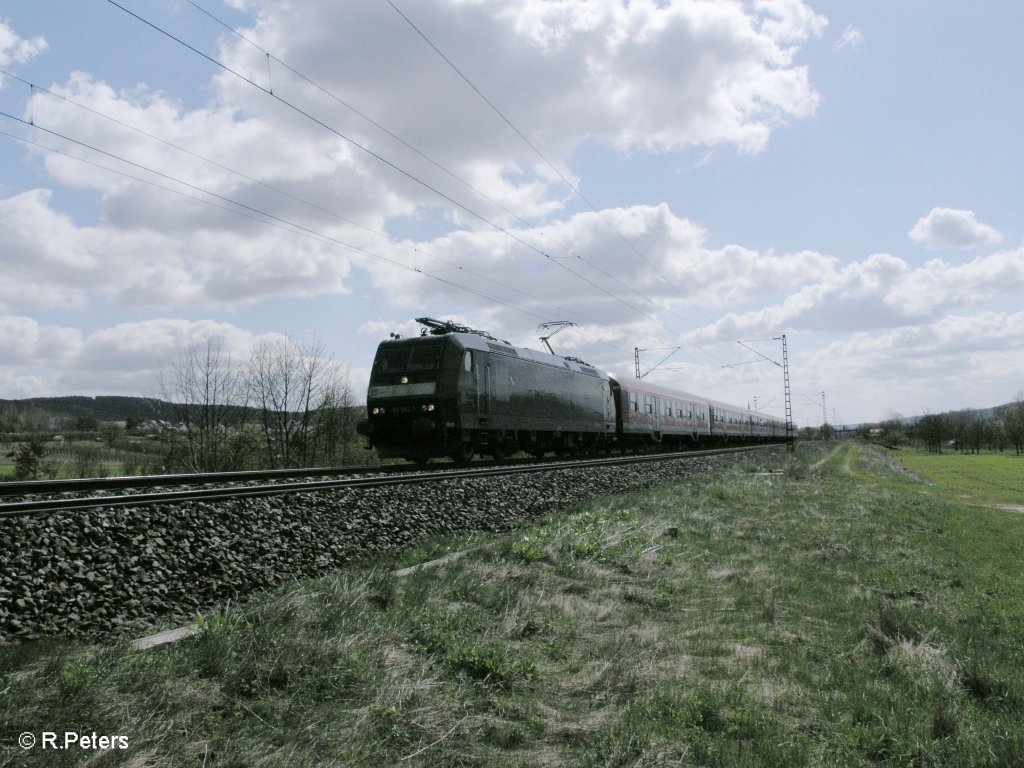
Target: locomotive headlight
405	379
379	411
428	407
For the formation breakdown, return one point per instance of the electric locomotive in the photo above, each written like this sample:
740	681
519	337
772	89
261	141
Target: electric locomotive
454	391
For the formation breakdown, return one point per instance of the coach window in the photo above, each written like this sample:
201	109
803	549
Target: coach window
467	361
633	404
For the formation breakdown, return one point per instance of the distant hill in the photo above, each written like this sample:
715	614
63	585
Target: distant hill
983	413
54	413
102	408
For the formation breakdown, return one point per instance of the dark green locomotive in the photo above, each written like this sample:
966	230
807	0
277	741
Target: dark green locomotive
456	392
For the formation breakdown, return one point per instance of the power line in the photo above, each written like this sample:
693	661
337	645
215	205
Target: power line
418	152
380	158
34	87
390	164
540	154
482	194
248	211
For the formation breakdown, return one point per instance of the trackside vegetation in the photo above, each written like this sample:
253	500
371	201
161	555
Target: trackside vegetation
825	609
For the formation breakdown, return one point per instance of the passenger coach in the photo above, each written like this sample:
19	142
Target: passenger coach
653	414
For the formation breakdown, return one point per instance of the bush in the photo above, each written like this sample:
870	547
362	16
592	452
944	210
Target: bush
27	458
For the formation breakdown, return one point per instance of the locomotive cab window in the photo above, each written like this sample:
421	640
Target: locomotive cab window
426	357
410	357
392	360
467	361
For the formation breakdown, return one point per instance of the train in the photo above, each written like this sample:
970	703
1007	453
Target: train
458	392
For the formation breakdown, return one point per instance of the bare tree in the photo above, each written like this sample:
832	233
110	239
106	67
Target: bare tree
291	386
290	405
995	435
210	398
973	432
335	419
8	417
28	458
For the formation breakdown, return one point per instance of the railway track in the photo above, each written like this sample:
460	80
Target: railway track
234	485
120	563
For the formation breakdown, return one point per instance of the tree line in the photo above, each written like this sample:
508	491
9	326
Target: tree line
288	405
966	430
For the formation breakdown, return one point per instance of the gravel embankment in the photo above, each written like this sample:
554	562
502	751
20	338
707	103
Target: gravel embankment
111	571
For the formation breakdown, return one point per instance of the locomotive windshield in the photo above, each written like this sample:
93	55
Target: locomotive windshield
422	356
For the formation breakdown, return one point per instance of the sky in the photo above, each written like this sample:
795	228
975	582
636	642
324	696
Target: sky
690	178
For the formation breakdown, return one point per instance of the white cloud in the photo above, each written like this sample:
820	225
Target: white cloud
882	291
959	361
582	268
645	76
17	50
851	37
52	271
639	75
38	359
146	267
790	20
648	76
953	228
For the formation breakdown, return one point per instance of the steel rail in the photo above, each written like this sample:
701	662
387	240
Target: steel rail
79	485
29	487
43	506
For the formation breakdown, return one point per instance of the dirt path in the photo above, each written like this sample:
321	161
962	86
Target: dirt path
847	469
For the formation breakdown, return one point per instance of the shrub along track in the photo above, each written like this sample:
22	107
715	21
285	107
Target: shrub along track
114	569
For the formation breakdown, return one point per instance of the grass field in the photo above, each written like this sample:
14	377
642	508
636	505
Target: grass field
986	478
90	458
824	609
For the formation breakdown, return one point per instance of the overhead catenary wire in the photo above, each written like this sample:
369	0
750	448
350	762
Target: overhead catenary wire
376	124
280	191
270	56
572	187
248	211
454	202
380	158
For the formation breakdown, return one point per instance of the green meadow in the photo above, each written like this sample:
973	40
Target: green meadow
985	478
